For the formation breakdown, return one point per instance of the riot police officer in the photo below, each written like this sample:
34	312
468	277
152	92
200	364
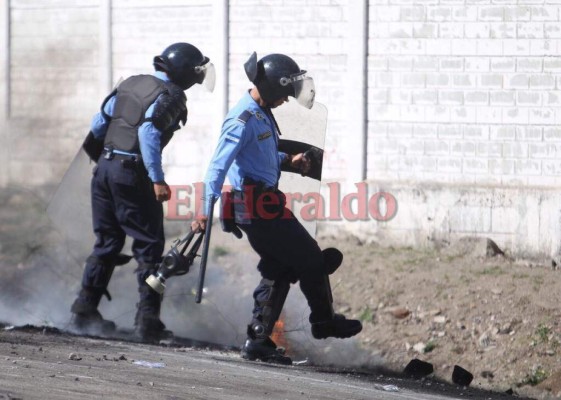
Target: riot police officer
135	123
248	153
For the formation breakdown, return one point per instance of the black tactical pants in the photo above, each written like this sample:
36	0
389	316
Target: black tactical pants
287	251
123	203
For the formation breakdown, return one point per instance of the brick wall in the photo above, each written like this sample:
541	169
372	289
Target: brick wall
53	62
143	29
313	32
462	96
465	92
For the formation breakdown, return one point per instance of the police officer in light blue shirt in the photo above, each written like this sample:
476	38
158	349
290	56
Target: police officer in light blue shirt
149	138
247	152
251	128
135	123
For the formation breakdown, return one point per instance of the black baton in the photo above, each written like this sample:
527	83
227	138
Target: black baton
204	254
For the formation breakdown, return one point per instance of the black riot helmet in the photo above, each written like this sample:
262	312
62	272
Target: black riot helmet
277	76
185	65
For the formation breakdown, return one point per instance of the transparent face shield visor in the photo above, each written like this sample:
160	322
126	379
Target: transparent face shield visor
208	75
304	89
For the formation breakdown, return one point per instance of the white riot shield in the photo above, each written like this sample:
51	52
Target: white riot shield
70	207
303	130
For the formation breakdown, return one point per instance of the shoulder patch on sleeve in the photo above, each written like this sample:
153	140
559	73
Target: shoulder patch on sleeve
244	117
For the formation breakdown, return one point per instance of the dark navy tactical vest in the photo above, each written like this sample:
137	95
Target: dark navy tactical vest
133	97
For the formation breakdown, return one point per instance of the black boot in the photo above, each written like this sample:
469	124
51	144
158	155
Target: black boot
148	326
260	347
151	330
325	323
86	318
337	327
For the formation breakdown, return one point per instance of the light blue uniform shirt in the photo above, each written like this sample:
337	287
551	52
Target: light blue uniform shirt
148	135
248	147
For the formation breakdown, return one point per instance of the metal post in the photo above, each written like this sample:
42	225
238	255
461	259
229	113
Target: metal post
365	39
357	65
221	21
5	85
106	46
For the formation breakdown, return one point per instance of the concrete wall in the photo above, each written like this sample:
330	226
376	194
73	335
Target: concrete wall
465	92
4	92
464	100
453	105
54	62
66	55
524	221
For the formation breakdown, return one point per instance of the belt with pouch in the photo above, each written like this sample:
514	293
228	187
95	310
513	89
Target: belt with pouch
257	186
127	159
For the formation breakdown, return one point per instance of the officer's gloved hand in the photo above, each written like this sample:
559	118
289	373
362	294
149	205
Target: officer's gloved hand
162	191
301	162
199	224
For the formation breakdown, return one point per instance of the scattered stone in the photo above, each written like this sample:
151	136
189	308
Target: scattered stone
484	340
431	313
122	358
439	319
493	250
420	347
487	374
74	357
400	312
475	247
506	329
461	376
418	368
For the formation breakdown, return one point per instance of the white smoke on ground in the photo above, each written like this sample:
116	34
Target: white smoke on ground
43	269
38	271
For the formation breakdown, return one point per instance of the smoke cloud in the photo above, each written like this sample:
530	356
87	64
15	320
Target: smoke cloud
42	269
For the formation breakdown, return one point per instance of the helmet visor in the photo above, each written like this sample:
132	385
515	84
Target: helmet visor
305	92
207	75
304	89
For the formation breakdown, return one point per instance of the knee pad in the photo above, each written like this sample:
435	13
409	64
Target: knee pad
332	259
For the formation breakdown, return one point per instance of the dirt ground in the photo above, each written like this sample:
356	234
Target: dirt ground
462	304
39	363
